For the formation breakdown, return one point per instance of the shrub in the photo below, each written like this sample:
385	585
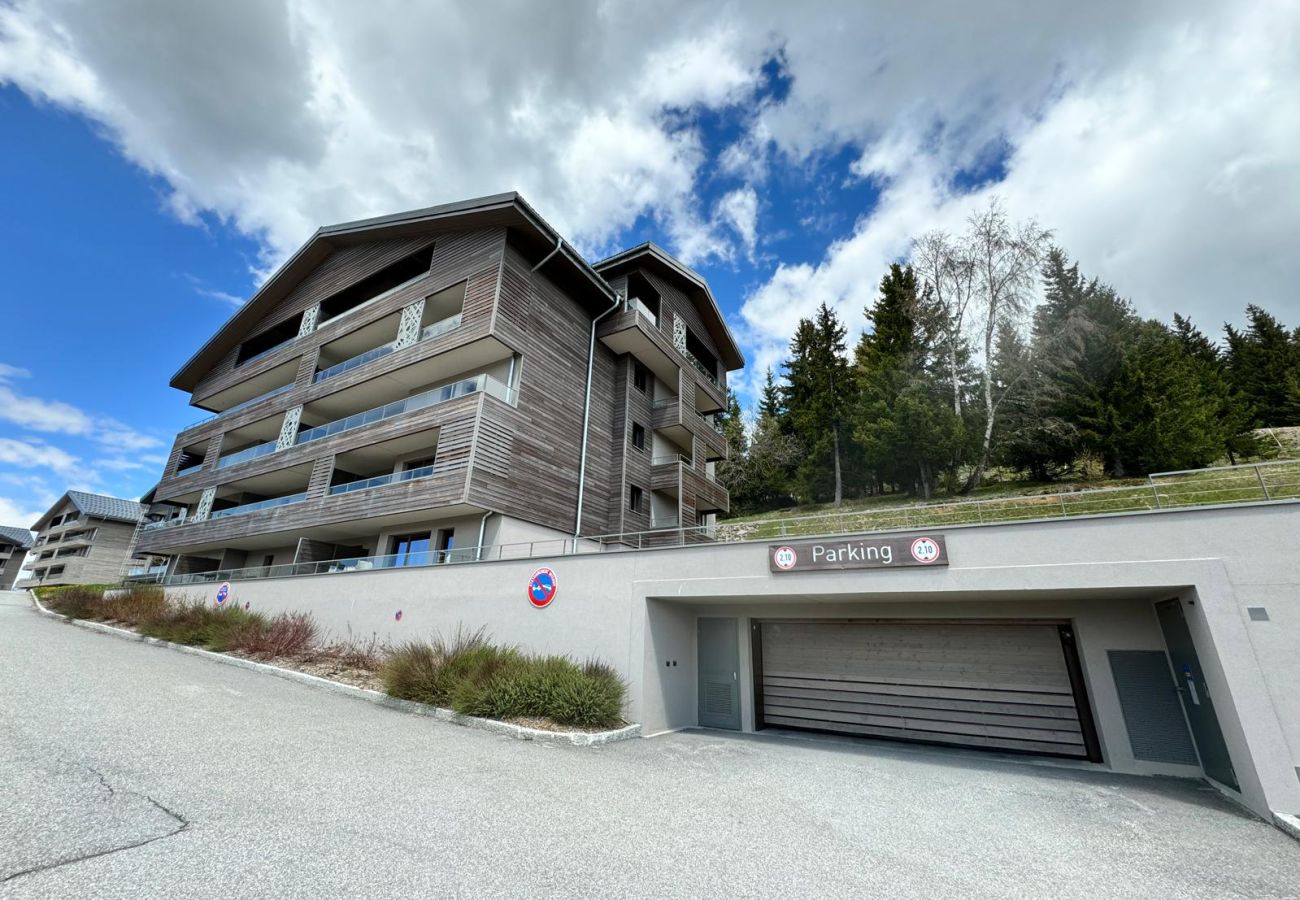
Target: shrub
477	678
196	623
78	601
357	654
1090	466
133	605
288	634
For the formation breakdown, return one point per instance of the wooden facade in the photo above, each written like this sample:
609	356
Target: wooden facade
514	449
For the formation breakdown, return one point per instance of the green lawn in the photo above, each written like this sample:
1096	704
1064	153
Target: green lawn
1011	502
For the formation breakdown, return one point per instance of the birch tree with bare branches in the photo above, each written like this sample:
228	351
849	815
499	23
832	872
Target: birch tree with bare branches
1005	259
945	271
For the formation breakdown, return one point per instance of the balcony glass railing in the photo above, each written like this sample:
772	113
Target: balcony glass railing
381	480
700	367
254	452
669	458
244	405
714	424
189	470
440	327
664	522
484	383
267	352
259	505
165	523
359	360
644	311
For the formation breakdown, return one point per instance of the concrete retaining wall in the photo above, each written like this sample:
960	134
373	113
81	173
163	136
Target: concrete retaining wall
637	611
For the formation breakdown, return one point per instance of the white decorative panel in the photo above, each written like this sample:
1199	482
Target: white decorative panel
309	319
289	429
408	330
679	333
204	508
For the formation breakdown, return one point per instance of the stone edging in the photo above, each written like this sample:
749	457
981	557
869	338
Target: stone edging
572	738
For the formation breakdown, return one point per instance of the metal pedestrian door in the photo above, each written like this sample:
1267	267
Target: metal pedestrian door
1190	682
719	667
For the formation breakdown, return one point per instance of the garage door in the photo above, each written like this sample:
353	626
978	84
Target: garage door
994	686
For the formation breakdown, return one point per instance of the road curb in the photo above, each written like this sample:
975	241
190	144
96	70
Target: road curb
519	732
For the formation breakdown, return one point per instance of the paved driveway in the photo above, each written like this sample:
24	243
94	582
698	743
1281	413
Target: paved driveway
131	771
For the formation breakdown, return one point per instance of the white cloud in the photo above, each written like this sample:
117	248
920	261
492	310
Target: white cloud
8	372
1172	174
30	455
1158	138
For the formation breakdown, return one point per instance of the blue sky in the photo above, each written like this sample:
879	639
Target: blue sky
159	160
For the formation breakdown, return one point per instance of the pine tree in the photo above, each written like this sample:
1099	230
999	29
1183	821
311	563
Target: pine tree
1262	363
904	423
815	398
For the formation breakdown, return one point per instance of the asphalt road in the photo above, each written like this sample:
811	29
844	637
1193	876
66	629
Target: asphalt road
132	771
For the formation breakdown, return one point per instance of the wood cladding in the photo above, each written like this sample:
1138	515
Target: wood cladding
518	459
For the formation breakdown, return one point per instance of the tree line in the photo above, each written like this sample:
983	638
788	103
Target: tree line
990	348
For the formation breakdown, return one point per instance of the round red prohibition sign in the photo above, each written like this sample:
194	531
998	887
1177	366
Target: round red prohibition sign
785	557
925	550
542	588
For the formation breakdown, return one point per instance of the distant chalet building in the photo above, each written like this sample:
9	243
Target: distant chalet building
84	539
14	544
412	388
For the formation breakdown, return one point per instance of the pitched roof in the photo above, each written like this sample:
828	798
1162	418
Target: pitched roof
98	506
498	210
19	537
695	285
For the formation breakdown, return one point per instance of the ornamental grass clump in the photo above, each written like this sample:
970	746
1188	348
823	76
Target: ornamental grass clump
477	678
195	623
286	635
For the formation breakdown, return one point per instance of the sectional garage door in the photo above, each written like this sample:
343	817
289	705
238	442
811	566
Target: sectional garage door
996	686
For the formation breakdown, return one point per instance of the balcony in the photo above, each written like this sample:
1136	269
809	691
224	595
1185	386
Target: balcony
440	327
246	508
366	484
257	451
631	331
483	382
274	392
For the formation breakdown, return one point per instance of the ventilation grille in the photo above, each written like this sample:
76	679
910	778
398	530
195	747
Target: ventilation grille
1157	730
717	699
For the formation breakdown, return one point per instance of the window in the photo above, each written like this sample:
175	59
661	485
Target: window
638	436
422	463
54	570
410	549
640	377
634	498
268	560
274	337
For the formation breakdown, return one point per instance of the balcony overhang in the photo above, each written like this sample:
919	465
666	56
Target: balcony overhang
629	332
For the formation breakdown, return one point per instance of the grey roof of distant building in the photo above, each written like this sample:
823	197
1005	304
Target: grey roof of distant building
98	506
19	537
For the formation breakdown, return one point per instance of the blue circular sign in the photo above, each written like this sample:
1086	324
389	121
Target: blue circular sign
542	587
223	592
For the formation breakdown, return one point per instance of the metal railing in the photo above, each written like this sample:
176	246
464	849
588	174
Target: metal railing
254	452
485	383
267	352
1163	492
670	458
392	478
701	367
440	327
242	405
259	505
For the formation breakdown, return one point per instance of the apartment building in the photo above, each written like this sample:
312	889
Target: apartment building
419	387
14	544
84	539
